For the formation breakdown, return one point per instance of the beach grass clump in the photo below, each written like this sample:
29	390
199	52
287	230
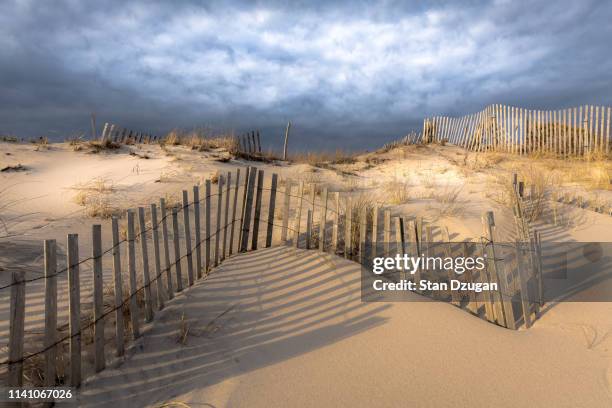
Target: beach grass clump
97	198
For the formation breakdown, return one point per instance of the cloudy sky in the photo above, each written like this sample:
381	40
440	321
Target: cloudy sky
347	74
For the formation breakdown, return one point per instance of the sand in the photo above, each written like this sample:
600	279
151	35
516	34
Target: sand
281	327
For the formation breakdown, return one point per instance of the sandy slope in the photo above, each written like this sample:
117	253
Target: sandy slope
281	327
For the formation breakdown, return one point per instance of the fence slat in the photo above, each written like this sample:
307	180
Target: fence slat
148	298
207	226
608	130
399	240
118	286
16	330
308	228
50	265
387	233
167	263
323	221
234	205
520	270
218	226
374	232
414	248
134	312
271	208
157	259
197	230
313	197
449	254
177	250
363	229
505	302
98	295
226	214
187	229
298	218
348	220
248	205
257	216
243	206
286	207
74	294
336	222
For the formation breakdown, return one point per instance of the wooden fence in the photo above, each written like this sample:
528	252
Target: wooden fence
409	139
567	132
192	237
249	143
118	134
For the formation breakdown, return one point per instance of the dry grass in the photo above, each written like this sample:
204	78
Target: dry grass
395	191
448	200
96	196
323	159
201	140
359	203
42	143
214	178
183	330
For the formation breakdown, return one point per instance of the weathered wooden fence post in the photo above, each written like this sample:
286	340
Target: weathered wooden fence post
336	222
207	225
308	228
323	220
348	223
177	250
448	253
187	229
271	208
243	205
256	218
387	233
134	312
218	227
197	227
167	263
50	253
118	285
234	206
399	240
98	295
506	313
145	266
157	259
248	204
298	218
374	232
286	209
363	226
523	284
286	140
226	215
74	294
16	330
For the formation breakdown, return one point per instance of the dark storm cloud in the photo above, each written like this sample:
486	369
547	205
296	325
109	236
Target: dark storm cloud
348	74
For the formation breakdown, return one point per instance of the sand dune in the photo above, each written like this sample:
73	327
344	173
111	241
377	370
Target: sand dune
285	327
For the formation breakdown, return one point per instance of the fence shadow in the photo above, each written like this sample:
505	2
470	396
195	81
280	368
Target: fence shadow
255	310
